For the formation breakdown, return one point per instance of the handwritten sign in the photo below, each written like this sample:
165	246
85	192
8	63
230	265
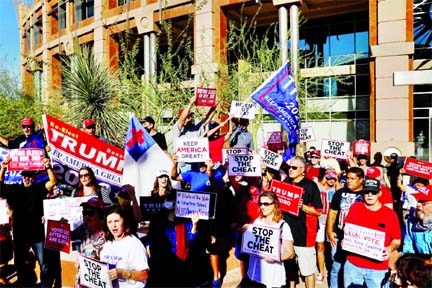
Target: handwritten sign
192	149
361	147
306	134
418	168
288	195
244	165
271	159
363	241
233	151
58	236
195	203
4	217
335	148
205	96
243	110
150	207
94	274
26	159
262	241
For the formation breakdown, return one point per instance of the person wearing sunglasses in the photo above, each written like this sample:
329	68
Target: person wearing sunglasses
28	127
372	214
88	186
314	171
264	270
89	127
304	226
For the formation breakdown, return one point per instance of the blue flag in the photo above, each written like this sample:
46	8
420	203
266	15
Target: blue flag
278	96
36	140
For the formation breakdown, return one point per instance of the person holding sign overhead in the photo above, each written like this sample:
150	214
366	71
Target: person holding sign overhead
265	270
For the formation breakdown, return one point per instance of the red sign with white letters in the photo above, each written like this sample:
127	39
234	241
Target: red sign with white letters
288	195
205	96
26	159
418	168
361	147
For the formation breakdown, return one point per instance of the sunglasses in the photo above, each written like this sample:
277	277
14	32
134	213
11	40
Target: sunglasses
91	127
26	126
315	157
88	212
372	192
331	178
84	175
266	204
293	167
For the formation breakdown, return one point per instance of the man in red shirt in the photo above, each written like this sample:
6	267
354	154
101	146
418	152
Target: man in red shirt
359	269
386	198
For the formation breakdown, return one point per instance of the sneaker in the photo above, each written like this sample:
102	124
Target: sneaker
319	279
216	283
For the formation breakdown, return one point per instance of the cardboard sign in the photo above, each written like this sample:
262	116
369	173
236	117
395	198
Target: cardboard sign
306	134
192	150
205	96
288	195
335	148
58	236
244	165
262	241
271	159
243	110
10	177
363	241
26	159
418	168
4	217
233	151
195	203
274	137
94	274
361	147
150	207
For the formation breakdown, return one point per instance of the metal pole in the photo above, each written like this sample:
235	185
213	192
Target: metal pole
294	26
153	56
147	57
283	33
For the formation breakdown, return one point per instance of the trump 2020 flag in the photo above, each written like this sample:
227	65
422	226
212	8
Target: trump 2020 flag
143	159
278	96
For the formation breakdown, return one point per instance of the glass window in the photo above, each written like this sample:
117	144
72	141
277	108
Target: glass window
62	16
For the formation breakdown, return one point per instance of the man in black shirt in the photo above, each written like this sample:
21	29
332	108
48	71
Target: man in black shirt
28	127
148	124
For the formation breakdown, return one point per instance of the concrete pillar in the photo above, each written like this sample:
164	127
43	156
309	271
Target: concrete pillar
46	69
153	55
100	44
283	33
294	26
147	58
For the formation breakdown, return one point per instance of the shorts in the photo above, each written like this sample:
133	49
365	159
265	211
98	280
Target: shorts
306	258
321	233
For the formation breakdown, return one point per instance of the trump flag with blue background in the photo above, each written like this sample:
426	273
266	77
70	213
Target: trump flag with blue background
278	96
143	159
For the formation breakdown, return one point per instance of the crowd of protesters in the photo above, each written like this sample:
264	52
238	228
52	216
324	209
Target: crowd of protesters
191	252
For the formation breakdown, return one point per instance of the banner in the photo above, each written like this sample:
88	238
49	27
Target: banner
362	147
418	168
262	241
233	151
26	159
72	149
307	134
363	241
58	236
202	204
192	149
278	96
244	165
335	148
93	274
205	96
271	159
243	110
68	208
289	196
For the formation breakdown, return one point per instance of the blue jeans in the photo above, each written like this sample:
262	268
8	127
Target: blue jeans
355	276
337	266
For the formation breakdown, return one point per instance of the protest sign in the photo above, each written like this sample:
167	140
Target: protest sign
243	110
72	149
26	159
192	149
361	147
94	274
288	195
4	217
67	208
335	148
205	96
306	134
202	204
233	151
418	168
244	165
271	159
363	241
58	236
274	137
262	241
150	207
10	177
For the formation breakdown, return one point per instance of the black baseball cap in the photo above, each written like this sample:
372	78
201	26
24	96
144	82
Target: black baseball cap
148	119
371	185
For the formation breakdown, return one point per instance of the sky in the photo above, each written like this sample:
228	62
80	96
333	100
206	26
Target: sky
9	37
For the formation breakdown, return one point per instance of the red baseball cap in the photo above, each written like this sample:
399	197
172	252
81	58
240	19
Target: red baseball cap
27	122
88	122
94	202
373	172
425	194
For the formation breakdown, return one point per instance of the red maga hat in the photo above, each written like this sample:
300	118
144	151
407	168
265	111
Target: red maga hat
88	122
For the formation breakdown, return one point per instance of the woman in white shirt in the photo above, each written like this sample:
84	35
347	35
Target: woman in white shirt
125	254
265	270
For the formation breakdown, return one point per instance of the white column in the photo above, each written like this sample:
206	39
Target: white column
294	26
283	33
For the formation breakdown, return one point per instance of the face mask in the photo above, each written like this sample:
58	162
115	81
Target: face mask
147	129
168	205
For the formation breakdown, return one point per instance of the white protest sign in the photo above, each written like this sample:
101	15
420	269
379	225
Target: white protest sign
271	159
363	241
4	218
335	148
93	274
243	110
262	241
244	165
306	134
192	149
190	203
233	151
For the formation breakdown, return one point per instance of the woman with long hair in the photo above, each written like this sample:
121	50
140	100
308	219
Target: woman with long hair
162	185
124	253
88	186
265	270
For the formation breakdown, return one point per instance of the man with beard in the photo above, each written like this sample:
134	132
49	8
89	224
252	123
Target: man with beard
148	124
